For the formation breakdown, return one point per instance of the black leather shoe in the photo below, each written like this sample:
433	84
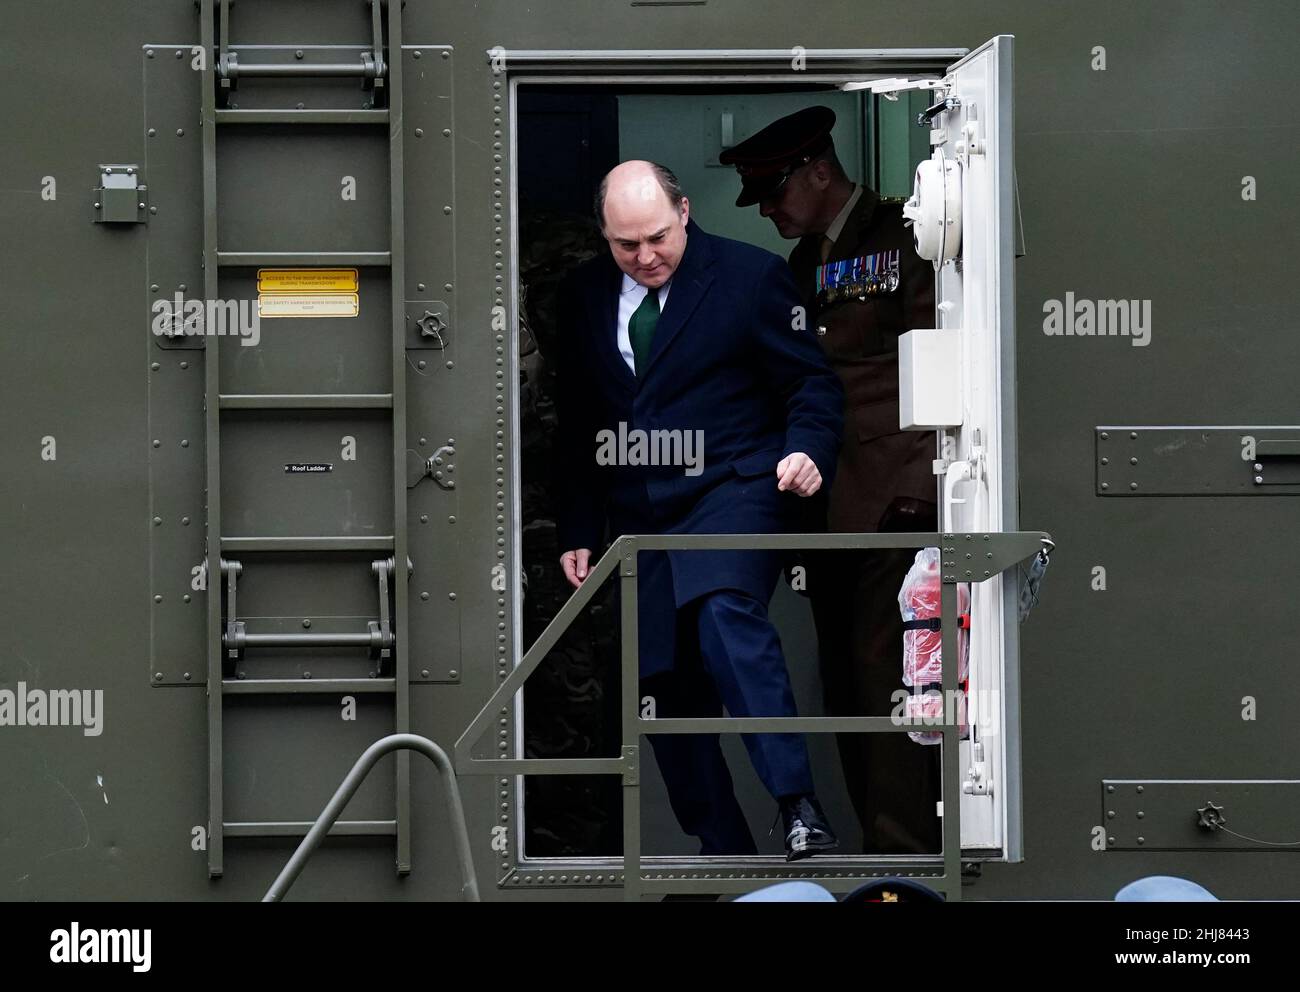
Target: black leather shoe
806	830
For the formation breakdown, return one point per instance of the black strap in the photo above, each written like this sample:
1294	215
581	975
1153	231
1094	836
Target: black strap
934	623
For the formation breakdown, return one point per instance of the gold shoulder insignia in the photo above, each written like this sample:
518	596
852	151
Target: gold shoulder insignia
895	200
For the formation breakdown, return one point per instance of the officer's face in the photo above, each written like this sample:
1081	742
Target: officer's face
795	208
646	235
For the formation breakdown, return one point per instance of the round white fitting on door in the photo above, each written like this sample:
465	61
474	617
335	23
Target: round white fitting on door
935	209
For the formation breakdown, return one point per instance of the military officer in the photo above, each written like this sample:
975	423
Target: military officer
863	285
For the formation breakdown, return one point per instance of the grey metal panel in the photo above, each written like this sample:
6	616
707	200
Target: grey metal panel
310	354
177	511
173	161
275	775
1196	461
260	498
261	212
173	154
436	589
1156	815
320	24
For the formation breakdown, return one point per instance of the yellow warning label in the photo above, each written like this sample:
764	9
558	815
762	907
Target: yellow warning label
306	280
307	305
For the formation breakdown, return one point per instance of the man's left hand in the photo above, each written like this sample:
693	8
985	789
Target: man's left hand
797	473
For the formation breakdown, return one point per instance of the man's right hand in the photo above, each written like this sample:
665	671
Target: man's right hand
575	566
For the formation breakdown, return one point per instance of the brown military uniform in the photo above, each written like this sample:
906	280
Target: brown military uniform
884	482
878	462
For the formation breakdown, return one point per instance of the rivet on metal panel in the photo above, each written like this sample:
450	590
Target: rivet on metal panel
1132	485
1142	840
1110	814
1105	461
1141	789
186	676
157	676
1105	485
1105	436
1133	435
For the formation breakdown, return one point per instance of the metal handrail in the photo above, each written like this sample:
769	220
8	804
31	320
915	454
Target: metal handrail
965	557
348	788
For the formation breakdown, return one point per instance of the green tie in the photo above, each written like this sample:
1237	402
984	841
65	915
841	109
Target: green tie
641	328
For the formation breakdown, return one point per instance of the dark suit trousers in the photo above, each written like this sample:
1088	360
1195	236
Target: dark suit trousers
894	782
728	653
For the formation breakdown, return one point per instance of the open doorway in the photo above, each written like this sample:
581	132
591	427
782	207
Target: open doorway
567	136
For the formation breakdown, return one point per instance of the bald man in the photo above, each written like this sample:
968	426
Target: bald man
693	400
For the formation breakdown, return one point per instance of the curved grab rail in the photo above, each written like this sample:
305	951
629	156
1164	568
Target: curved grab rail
348	788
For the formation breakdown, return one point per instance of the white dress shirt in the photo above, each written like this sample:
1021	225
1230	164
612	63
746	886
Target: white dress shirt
837	225
630	296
